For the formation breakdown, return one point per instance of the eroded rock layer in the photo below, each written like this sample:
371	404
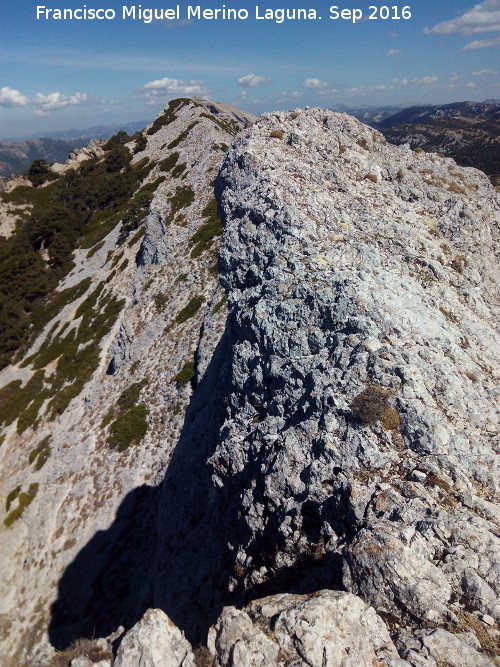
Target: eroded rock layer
362	423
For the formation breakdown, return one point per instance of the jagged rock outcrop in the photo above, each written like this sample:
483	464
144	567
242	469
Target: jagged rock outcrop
94	149
331	628
154	642
362	418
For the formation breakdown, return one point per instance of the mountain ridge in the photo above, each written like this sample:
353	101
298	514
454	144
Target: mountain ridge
318	426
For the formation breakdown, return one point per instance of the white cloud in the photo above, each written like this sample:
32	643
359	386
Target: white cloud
313	83
484	17
10	97
485	72
367	89
160	89
252	80
400	82
471	84
425	80
54	101
43	103
393	52
454	76
481	44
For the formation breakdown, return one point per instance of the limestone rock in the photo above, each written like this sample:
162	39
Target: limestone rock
361	417
154	642
327	628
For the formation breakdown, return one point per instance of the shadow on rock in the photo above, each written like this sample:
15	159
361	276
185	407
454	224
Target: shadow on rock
167	546
104	586
170	546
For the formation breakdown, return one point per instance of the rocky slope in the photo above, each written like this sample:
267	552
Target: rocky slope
362	425
112	366
332	480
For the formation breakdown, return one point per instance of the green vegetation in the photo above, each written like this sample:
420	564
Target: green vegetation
202	239
40	172
193	306
138	208
130	419
77	210
117	258
11	497
138	235
182	198
29	416
228	126
54	305
186	374
220	147
140	143
179	170
168	116
182	135
371	405
95	249
160	301
219	305
181	220
77	354
24	500
40	454
116	140
169	162
14	398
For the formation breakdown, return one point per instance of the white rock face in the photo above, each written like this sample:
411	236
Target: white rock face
327	628
93	150
154	642
360	273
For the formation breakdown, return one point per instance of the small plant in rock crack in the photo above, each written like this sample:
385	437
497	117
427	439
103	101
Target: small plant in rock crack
372	405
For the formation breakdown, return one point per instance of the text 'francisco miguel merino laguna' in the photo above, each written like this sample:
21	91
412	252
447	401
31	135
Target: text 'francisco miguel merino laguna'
197	13
177	12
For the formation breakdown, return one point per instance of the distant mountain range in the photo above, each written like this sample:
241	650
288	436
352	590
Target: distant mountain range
469	132
94	132
489	109
371	115
16	157
471	147
17	154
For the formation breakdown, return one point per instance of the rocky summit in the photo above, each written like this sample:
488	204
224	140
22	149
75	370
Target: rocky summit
288	456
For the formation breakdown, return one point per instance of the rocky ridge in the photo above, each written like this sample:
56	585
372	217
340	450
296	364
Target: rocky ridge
64	549
333	483
358	450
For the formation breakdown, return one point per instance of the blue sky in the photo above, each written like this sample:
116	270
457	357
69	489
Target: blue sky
57	74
